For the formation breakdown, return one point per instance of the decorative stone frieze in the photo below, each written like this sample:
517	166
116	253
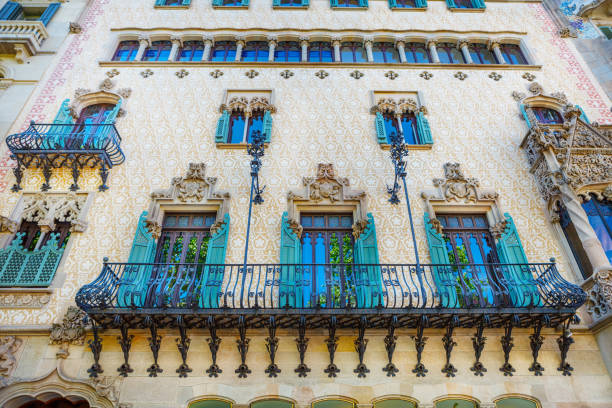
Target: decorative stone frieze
24	299
70	331
248	105
9	346
398	106
195	188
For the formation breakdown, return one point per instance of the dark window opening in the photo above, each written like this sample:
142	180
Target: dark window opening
547	116
32	235
223	51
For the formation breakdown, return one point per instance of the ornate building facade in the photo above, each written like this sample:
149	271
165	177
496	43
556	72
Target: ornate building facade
293	203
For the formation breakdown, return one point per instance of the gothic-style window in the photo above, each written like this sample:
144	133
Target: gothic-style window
223	51
126	51
385	52
236	127
407	123
547	116
191	51
352	52
32	235
184	238
513	55
416	53
319	51
571	235
94	114
288	51
158	51
449	54
470	247
481	54
347	3
600	218
327	255
255	51
256	120
57	403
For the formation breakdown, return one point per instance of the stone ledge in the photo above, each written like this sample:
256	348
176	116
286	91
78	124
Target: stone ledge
24	298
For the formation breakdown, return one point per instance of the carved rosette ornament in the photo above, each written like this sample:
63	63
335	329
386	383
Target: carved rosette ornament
327	188
70	331
456	187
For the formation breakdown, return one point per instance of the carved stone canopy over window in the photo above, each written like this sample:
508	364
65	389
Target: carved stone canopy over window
85	97
248	105
327	190
193	191
398	106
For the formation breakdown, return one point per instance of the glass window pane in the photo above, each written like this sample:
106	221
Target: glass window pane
306	221
319	221
237	124
170	221
183	221
198	221
334	221
347	221
467	222
453	222
210	220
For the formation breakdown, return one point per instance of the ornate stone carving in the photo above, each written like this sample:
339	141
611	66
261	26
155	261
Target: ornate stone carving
216	73
517	96
24	300
193	188
357	74
9	345
495	76
181	74
529	76
106	85
426	75
80	92
461	75
248	105
391	75
567	32
599	300
398	106
286	74
321	74
456	187
251	73
498	229
124	92
70	331
146	73
535	89
8	225
47	208
108	387
75	28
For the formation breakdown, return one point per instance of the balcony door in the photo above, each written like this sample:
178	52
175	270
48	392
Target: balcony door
327	255
83	135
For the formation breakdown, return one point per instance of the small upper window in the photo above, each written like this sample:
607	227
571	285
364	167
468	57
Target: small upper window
158	51
231	3
512	54
405	4
223	51
352	52
349	3
290	3
170	3
481	54
319	51
449	54
241	128
191	51
288	51
606	31
13	10
416	53
385	52
547	116
406	123
126	51
32	235
464	4
256	51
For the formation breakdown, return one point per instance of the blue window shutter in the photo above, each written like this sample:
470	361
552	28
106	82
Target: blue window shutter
583	115
63	115
245	2
525	116
368	282
479	4
186	2
444	278
290	291
381	134
363	3
110	119
333	3
56	133
423	129
215	266
421	3
222	128
392	3
133	289
160	2
267	126
276	3
451	4
49	12
306	3
10	11
522	287
217	2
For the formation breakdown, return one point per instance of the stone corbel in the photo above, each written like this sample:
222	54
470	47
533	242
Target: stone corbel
21	53
8	225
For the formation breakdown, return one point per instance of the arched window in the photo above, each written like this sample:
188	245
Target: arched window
288	51
352	52
56	403
126	51
211	403
272	403
481	54
516	402
255	51
449	54
600	218
88	131
158	51
191	51
320	51
547	116
385	52
395	403
32	241
513	54
236	127
456	403
574	242
406	122
416	53
223	51
333	403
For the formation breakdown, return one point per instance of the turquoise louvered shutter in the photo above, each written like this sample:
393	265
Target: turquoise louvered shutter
521	284
186	2
100	134
524	113
480	4
245	3
135	282
451	4
421	3
291	273
363	3
276	3
217	2
267	126
10	11
367	275
160	2
423	129
212	278
583	115
222	128
305	3
56	135
49	13
333	3
63	114
381	133
443	276
392	3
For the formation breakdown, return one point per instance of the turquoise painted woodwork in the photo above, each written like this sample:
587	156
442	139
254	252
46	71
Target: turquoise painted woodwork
381	133
583	115
160	2
451	4
99	134
186	2
525	116
392	3
222	128
290	290
136	277
421	3
362	3
368	279
443	276
423	129
22	268
49	13
304	3
215	266
57	133
217	2
10	11
523	289
479	4
267	126
333	3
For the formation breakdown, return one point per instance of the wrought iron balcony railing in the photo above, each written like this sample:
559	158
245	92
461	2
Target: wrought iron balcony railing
24	38
49	146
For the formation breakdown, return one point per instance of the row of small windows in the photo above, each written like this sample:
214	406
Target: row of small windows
323	51
393	4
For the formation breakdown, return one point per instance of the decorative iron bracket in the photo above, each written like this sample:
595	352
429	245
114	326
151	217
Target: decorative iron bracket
361	343
449	343
182	343
390	342
272	346
535	342
302	344
155	344
419	344
478	342
565	341
507	345
125	341
213	344
95	345
332	344
243	347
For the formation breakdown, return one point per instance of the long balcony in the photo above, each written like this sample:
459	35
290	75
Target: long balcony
22	38
51	146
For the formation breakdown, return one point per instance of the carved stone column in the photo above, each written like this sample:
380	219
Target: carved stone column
463	45
498	53
336	44
143	44
401	51
431	44
176	43
368	46
239	46
304	45
271	48
208	43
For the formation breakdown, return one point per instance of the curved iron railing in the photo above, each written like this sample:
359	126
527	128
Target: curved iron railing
276	286
69	138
